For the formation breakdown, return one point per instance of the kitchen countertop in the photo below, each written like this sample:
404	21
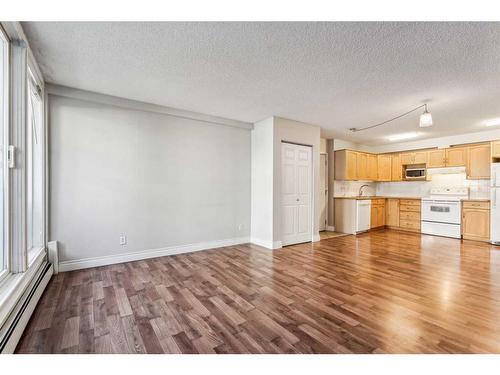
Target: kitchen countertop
377	197
399	197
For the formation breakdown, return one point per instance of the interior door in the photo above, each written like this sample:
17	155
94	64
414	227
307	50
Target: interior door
323	190
296	193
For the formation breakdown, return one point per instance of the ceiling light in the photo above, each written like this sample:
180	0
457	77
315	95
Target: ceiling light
402	136
425	118
492	122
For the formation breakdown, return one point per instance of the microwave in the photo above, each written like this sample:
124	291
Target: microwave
415	174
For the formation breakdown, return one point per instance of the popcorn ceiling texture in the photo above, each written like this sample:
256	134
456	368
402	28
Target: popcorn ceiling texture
335	75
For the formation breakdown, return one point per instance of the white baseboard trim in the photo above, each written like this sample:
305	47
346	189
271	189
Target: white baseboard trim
330	228
20	325
316	237
72	265
271	245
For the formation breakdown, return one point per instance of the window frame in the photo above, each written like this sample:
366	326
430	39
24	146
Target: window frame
32	79
4	39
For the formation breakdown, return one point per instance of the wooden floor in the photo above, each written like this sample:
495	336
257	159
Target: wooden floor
327	234
380	292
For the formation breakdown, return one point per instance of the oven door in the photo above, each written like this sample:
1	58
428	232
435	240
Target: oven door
441	211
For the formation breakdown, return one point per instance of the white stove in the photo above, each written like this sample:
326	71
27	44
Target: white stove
441	211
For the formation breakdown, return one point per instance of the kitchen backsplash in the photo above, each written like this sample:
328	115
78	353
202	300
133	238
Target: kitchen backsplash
351	188
478	189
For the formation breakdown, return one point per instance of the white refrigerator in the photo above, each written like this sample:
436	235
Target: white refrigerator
495	204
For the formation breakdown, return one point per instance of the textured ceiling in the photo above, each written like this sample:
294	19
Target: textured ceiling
336	75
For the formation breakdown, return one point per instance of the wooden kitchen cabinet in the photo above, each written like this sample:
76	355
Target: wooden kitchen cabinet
495	149
409	214
420	157
447	157
377	218
417	157
436	158
362	166
396	168
351	171
354	165
456	156
346	165
407	158
384	167
478	163
476	221
392	213
372	167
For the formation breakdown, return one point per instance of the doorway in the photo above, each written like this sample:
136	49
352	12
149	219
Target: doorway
323	191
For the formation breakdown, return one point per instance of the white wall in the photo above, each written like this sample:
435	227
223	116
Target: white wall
340	144
262	183
322	145
162	180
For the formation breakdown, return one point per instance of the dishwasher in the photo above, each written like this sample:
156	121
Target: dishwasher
363	215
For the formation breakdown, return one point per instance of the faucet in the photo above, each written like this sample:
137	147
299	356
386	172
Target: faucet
360	193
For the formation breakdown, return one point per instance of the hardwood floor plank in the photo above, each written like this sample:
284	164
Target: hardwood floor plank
123	302
379	292
71	332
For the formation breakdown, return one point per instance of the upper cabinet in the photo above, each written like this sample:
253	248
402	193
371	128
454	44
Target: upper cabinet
384	167
362	166
407	158
447	157
396	168
415	157
478	165
420	157
495	149
346	163
357	165
372	167
456	156
436	158
354	165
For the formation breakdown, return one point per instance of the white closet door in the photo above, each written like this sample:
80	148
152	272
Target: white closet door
296	193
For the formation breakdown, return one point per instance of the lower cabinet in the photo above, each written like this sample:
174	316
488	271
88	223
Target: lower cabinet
409	214
392	213
476	221
377	213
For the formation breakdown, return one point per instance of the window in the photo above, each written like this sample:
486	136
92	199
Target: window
4	63
22	171
34	168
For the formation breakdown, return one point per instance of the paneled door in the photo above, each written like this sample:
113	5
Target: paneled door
296	193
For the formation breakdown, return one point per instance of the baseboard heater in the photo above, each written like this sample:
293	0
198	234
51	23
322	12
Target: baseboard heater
17	321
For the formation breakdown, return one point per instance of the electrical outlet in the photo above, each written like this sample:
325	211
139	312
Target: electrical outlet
123	239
